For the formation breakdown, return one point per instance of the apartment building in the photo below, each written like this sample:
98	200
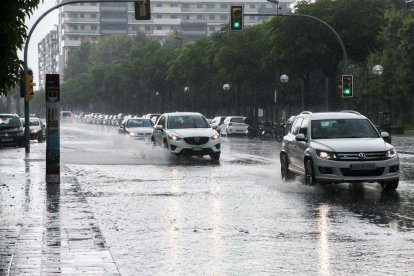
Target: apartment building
48	56
192	18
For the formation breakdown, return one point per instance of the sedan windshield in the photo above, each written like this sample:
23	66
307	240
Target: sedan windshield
139	123
9	121
342	128
187	121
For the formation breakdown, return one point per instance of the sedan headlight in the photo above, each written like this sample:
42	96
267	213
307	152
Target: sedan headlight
326	155
173	137
391	153
132	134
215	136
34	131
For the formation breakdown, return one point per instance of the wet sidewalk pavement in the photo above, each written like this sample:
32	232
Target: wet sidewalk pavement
50	229
46	229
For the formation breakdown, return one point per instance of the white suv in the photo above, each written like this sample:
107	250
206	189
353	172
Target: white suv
338	147
187	133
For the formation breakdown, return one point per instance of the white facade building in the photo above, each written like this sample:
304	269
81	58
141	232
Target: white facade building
48	55
192	18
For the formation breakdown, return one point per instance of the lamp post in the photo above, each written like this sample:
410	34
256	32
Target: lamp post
377	71
284	79
180	38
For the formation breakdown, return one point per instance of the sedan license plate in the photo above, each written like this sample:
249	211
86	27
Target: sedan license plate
363	167
6	139
197	148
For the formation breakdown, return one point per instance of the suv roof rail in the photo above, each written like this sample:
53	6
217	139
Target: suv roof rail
351	111
306	112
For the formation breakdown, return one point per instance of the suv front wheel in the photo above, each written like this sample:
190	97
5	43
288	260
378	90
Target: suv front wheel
309	173
389	186
284	168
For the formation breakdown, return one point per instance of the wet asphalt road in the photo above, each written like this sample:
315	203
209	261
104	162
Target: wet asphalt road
183	216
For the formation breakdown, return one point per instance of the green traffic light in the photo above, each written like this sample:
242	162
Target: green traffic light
347	91
236	25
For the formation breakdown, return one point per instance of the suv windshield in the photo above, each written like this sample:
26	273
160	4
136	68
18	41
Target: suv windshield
187	121
342	128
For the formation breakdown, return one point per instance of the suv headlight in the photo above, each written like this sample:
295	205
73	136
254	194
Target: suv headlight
391	153
215	136
326	155
173	137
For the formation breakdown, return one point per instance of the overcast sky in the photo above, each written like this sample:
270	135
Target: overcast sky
42	29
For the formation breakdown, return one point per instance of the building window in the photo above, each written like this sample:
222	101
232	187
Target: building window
93	15
148	28
186	6
199	17
159	27
158	5
224	6
81	15
185	17
174	5
82	27
199	6
252	6
211	28
212	17
93	27
210	6
158	16
174	16
223	17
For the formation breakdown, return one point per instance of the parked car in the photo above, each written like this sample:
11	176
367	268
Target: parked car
11	130
137	127
216	122
37	129
338	147
233	125
66	116
187	133
153	116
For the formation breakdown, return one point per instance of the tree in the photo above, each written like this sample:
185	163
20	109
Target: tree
13	32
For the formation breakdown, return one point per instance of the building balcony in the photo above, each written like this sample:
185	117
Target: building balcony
80	20
80	32
80	9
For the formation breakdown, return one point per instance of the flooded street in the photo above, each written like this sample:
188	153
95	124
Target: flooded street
162	214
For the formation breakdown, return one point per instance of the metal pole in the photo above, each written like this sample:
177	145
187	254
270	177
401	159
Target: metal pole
345	68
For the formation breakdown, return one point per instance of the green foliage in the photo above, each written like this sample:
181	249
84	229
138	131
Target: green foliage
13	33
138	74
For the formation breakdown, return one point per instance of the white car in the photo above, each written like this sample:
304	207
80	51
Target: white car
140	128
336	147
233	125
187	133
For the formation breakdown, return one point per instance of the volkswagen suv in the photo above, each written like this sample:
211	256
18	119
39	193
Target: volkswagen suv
338	147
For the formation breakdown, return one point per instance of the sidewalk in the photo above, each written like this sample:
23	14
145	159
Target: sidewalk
46	229
403	144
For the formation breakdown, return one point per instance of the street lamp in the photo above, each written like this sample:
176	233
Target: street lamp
284	79
377	71
226	87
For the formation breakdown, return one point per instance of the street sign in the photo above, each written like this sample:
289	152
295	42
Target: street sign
52	93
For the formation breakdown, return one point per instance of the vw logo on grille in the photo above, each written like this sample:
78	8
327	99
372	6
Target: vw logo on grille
362	156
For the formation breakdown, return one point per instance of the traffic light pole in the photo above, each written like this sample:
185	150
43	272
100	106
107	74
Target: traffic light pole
26	48
345	68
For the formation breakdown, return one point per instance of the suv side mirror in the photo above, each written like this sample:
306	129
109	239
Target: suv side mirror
386	136
300	137
159	127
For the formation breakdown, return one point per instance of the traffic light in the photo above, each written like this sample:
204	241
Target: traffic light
142	10
236	18
347	86
29	86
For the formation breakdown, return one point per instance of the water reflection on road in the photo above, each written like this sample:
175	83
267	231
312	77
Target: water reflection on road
166	215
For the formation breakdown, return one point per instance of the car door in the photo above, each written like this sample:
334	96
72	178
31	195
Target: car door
300	146
159	131
293	144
